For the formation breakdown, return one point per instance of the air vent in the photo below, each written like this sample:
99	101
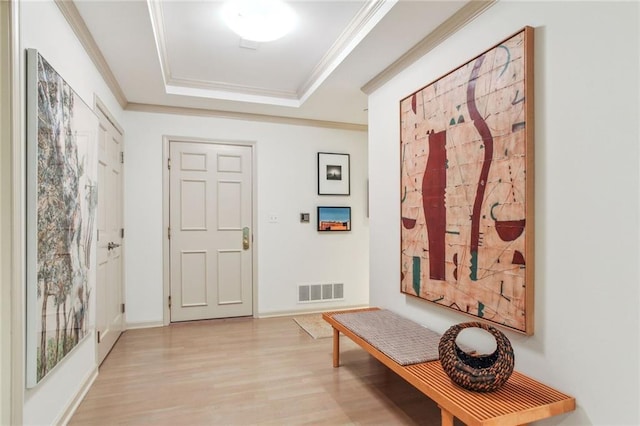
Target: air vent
308	293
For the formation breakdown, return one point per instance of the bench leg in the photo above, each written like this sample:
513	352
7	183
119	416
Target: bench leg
447	417
336	347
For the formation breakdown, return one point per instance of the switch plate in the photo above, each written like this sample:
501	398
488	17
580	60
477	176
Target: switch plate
304	217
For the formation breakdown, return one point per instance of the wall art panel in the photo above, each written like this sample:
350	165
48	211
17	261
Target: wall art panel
61	206
467	187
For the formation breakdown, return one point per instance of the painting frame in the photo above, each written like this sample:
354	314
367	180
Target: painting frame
334	175
61	196
467	187
333	219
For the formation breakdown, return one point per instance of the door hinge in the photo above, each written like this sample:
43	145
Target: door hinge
169	232
98	336
122	308
121	157
98	235
169	301
169	163
121	232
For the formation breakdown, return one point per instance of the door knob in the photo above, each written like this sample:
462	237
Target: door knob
111	245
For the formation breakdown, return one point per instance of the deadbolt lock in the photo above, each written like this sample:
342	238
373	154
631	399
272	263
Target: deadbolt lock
245	238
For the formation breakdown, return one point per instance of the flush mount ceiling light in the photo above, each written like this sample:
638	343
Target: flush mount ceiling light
259	20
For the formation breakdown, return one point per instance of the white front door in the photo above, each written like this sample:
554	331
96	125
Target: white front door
210	217
109	306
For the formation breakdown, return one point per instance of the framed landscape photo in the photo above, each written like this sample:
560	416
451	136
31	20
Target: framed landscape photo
333	174
334	219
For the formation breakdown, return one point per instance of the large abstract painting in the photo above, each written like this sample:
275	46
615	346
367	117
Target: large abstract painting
467	187
61	205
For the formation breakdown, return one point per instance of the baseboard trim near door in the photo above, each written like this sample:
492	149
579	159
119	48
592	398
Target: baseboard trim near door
143	324
73	405
316	310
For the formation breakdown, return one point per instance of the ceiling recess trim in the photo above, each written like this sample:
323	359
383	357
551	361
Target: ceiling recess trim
364	21
157	25
200	112
214	85
208	89
216	90
79	27
357	29
459	19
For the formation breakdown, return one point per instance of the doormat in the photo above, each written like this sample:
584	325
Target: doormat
315	326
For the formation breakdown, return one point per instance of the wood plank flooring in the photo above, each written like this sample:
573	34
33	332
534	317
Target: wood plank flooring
246	371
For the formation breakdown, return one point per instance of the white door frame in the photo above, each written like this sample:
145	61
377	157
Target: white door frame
12	245
166	276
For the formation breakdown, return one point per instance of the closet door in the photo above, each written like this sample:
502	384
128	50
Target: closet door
109	297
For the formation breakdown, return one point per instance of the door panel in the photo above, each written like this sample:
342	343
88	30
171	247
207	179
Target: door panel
229	273
210	204
193	205
194	278
229	205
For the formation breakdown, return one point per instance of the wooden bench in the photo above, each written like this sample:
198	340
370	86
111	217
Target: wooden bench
520	401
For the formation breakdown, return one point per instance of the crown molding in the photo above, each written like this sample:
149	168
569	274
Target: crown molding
462	17
79	27
163	109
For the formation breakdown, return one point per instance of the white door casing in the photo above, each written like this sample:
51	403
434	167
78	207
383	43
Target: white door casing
210	221
109	294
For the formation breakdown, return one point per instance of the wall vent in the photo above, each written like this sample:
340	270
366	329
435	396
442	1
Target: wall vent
308	293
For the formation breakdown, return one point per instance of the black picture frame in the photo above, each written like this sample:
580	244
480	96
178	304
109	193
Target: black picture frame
334	175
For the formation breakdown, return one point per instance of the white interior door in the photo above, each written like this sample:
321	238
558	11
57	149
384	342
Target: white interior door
109	299
210	215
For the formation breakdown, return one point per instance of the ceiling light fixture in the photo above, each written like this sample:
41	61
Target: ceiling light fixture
259	20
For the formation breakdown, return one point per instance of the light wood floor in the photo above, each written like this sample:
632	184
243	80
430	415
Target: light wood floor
242	372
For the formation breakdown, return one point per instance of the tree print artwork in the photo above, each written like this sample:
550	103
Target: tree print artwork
62	195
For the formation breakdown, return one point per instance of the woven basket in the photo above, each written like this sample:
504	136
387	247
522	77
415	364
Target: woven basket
482	373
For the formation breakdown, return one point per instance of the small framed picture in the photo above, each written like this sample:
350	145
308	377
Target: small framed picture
333	174
334	219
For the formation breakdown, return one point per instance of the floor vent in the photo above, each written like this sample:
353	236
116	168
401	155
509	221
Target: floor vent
320	292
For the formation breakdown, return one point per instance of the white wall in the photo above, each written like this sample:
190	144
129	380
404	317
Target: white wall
43	27
586	114
289	252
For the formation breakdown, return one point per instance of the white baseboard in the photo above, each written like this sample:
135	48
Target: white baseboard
316	310
65	418
143	324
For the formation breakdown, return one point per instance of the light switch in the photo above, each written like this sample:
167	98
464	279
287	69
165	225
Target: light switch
304	217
